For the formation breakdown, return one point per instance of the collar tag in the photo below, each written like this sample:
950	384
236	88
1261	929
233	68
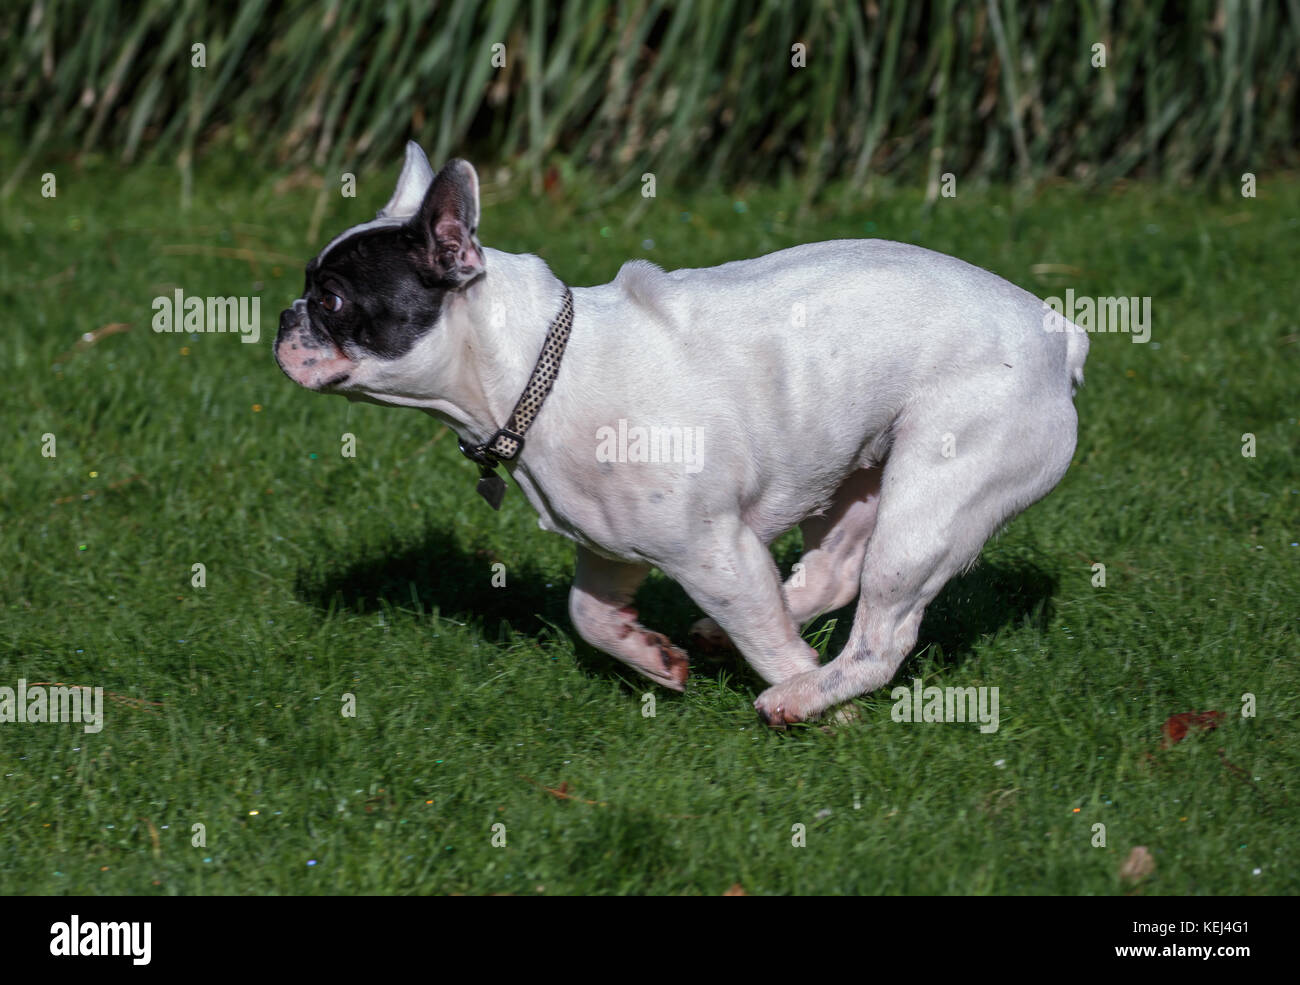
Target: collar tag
492	488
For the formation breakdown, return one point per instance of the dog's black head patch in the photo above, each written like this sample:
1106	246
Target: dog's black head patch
381	286
369	292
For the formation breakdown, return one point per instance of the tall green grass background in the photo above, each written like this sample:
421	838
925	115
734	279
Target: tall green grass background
995	89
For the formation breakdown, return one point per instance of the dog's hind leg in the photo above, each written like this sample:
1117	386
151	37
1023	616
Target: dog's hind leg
946	489
834	545
829	572
600	605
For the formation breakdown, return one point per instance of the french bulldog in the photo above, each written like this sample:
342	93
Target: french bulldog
897	405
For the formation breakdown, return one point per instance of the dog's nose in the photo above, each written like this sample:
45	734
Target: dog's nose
288	317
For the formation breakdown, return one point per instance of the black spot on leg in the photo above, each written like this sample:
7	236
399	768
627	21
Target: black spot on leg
674	662
832	679
667	659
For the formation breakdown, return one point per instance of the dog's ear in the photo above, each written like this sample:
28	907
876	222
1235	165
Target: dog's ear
448	221
412	185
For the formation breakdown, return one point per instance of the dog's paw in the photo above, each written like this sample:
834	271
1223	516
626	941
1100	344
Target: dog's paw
787	703
709	638
673	666
776	718
778	707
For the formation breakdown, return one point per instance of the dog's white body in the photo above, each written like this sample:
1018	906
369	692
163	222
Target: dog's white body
899	404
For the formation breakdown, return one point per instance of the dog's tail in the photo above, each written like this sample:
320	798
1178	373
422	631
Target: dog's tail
1076	352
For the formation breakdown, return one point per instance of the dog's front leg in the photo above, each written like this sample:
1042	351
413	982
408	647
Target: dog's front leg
731	575
600	605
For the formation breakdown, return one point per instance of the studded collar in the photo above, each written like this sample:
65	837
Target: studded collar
506	444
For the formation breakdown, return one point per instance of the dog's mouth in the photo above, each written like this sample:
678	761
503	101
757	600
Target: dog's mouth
335	381
324	375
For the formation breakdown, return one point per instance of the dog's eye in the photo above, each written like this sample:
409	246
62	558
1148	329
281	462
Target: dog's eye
331	302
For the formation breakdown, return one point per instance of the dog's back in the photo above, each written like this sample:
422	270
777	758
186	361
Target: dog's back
852	314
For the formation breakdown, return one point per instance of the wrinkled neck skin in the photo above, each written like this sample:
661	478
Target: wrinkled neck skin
469	371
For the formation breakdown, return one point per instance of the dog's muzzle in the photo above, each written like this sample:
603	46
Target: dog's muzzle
304	356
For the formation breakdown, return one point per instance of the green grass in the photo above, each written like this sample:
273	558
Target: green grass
371	576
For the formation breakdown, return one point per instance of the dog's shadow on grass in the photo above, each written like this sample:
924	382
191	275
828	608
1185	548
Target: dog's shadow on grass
991	597
440	574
